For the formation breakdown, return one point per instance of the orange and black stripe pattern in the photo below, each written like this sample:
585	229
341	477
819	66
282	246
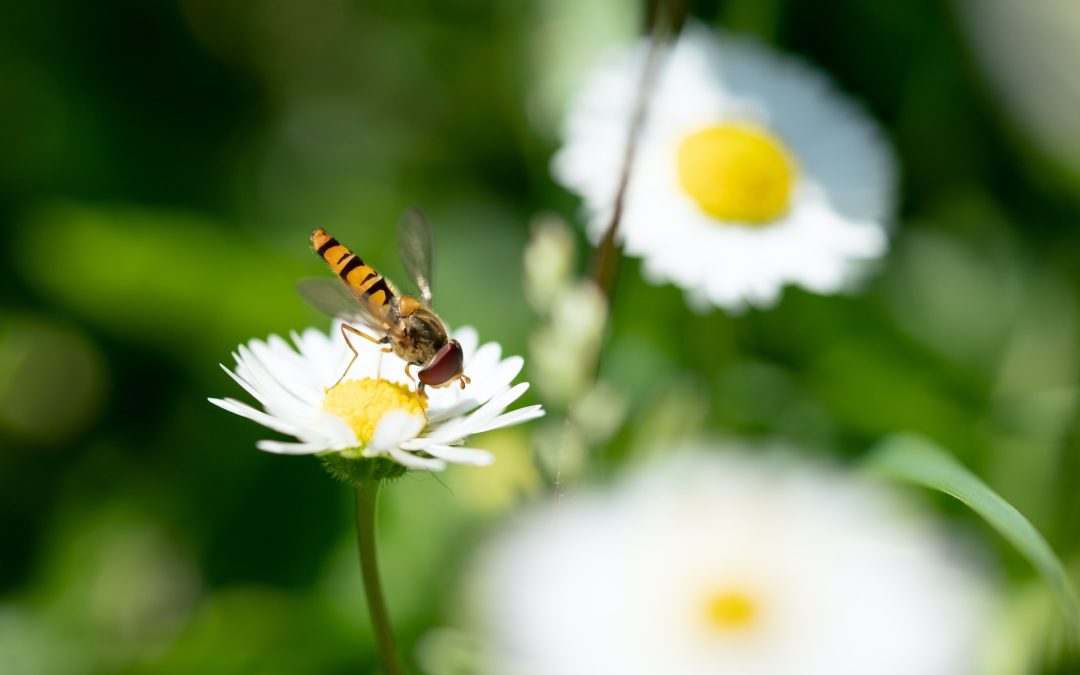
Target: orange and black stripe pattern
365	282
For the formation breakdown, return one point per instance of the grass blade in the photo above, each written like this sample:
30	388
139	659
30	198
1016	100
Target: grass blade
916	460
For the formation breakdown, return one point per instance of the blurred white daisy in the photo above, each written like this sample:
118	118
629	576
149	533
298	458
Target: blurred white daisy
751	171
376	411
728	564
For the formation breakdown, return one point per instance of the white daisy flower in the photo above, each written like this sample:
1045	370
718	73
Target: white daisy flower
376	411
751	171
728	564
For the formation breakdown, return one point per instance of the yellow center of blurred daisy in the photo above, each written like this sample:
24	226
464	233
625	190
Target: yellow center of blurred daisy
730	610
737	172
362	403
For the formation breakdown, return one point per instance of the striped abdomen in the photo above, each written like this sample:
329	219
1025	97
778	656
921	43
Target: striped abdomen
367	284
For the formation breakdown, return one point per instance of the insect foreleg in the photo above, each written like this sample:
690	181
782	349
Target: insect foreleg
419	391
345	329
419	396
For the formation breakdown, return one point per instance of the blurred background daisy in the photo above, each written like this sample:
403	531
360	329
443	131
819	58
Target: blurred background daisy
746	562
751	171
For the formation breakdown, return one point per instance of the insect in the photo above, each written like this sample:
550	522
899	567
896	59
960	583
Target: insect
407	325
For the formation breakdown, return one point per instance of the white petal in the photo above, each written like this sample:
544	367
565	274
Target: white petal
486	358
289	368
325	359
511	418
482	389
337	431
273	393
489	378
305	422
413	462
457	429
443	406
395	428
244	410
498	403
469	339
470	456
247	386
279	448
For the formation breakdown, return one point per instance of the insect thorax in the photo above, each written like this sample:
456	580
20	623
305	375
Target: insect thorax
422	335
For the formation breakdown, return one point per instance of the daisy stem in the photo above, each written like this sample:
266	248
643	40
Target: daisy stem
662	18
367	492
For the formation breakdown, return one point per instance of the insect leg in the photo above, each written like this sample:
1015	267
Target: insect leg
378	368
419	397
419	391
346	327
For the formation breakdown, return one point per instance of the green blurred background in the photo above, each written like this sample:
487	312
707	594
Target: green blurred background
162	163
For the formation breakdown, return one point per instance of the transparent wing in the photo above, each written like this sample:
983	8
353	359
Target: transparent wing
415	248
333	298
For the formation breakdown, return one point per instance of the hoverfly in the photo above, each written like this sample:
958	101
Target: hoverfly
409	326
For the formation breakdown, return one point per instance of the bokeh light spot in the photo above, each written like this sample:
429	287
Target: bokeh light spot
52	380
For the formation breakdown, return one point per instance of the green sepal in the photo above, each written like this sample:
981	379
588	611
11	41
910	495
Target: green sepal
357	470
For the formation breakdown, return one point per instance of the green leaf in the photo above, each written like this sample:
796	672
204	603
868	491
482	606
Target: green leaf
916	460
181	281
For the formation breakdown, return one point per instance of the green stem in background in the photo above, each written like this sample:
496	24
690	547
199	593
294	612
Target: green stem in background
605	263
367	492
761	18
663	20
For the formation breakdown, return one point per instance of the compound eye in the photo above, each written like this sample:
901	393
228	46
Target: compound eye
446	366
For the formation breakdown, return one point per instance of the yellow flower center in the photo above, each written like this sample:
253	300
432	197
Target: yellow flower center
737	172
362	403
731	610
